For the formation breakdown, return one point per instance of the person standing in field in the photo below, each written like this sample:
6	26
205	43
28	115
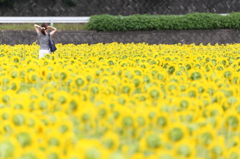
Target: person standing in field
43	38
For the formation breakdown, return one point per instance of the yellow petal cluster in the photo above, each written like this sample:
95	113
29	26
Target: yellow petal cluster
120	101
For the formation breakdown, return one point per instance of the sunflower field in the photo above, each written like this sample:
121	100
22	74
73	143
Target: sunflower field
120	101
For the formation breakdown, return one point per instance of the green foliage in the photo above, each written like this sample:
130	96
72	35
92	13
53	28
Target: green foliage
7	2
69	3
147	22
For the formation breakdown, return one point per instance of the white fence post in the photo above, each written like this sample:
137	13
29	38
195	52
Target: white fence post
51	22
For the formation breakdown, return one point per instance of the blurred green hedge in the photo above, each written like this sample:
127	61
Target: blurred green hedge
10	3
147	22
7	2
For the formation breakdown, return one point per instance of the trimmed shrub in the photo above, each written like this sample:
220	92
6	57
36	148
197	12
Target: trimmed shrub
147	22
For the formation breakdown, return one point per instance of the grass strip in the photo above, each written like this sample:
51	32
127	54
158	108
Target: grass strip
29	26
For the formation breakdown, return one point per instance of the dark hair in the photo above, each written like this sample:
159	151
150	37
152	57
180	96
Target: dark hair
44	25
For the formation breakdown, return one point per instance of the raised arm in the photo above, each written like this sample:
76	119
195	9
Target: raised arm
53	30
37	27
